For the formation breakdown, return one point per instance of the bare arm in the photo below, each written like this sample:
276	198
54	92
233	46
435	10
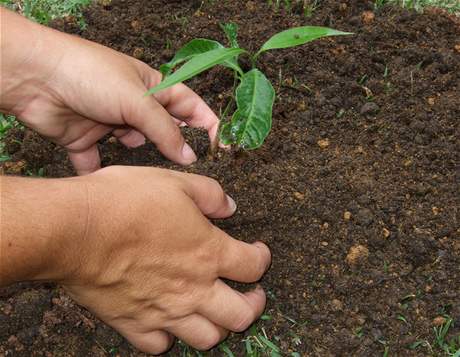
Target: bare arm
36	215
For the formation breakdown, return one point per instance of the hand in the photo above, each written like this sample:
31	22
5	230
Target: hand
74	92
149	263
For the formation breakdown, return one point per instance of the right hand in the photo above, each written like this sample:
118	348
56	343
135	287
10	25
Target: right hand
150	263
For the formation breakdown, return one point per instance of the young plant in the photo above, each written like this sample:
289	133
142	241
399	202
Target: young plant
254	96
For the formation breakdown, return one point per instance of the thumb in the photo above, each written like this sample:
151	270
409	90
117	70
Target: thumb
151	119
87	161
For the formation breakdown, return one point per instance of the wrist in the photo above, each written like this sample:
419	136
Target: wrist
30	54
39	220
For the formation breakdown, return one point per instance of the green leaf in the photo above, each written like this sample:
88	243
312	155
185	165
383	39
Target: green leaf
252	121
193	48
196	65
298	36
4	157
231	30
189	50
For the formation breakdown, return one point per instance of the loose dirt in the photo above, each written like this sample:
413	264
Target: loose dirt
355	190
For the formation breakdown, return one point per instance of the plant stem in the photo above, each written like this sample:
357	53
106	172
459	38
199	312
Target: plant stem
253	61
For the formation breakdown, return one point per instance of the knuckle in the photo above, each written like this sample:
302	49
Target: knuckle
175	136
243	322
264	260
209	341
261	266
158	350
215	188
153	346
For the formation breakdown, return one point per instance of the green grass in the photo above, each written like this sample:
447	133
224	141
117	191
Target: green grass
308	6
443	343
7	122
453	6
43	11
256	342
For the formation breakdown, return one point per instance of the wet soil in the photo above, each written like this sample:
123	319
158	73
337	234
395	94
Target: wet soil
356	189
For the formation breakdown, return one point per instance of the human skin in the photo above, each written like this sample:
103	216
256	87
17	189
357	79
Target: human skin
133	245
74	92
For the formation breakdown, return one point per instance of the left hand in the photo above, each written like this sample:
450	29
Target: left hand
74	92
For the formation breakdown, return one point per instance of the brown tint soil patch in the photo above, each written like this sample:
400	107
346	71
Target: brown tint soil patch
362	154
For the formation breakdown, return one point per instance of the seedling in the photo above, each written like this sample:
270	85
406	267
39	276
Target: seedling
254	95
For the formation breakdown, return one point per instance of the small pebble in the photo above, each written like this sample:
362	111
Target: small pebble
138	53
251	6
112	140
301	106
367	17
14	167
323	143
299	196
386	232
369	108
136	25
347	215
337	304
357	254
364	217
439	320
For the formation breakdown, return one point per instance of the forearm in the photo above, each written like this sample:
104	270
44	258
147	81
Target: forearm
38	217
27	59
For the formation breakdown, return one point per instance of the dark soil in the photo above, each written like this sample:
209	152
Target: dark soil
355	190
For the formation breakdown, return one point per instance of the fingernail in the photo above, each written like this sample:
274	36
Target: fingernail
188	154
232	203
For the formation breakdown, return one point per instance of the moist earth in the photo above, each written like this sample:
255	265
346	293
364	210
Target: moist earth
355	190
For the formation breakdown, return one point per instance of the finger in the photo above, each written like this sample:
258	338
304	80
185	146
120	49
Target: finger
180	123
243	262
129	137
86	161
88	134
184	104
208	195
231	309
198	332
152	120
155	342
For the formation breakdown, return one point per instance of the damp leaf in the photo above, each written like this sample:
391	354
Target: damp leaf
193	48
298	36
252	121
196	65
